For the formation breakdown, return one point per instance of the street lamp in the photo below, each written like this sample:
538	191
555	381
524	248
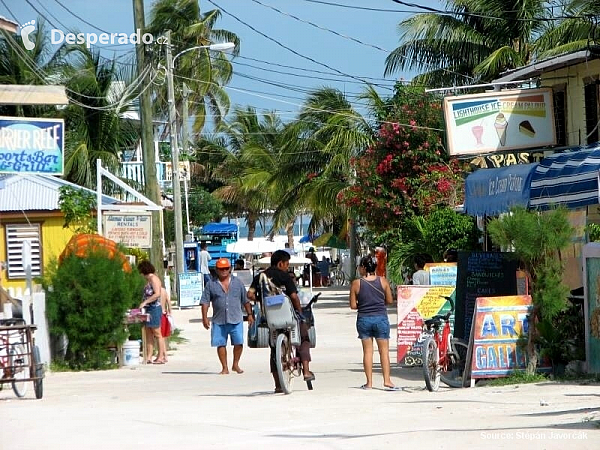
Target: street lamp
224	46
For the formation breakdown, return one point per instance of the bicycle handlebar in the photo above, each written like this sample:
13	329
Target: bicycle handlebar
451	302
314	299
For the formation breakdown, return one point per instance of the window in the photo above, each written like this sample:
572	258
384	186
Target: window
591	111
16	234
560	115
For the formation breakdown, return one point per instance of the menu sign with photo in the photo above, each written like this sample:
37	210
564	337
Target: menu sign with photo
415	304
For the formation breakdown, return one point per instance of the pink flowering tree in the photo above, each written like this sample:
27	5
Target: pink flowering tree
407	170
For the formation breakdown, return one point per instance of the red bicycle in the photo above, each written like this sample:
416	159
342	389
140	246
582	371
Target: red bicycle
444	356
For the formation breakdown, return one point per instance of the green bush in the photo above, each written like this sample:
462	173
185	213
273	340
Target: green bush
87	299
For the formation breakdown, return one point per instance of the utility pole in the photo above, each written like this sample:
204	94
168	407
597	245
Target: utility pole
175	165
352	237
152	190
185	133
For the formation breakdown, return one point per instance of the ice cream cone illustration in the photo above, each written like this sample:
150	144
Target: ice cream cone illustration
500	124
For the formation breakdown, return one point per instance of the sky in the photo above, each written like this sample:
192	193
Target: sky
282	58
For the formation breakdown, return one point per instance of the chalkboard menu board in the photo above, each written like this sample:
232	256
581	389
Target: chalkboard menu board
481	274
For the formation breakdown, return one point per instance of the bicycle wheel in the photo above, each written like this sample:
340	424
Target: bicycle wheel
19	363
312	336
284	362
38	383
453	377
431	368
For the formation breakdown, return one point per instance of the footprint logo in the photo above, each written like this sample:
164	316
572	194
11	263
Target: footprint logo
24	31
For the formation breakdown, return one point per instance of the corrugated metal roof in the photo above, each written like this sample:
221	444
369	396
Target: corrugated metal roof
36	192
537	68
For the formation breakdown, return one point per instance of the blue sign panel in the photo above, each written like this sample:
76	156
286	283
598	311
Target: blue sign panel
31	145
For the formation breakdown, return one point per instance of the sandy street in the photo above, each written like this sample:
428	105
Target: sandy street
185	404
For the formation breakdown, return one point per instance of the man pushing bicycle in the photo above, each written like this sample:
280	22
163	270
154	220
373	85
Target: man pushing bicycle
279	276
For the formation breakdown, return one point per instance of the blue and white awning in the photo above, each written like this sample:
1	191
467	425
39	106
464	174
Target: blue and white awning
490	192
567	179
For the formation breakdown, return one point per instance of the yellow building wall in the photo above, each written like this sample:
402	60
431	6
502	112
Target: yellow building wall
574	78
54	238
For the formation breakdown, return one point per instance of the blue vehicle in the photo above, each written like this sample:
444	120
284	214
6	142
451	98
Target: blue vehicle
217	236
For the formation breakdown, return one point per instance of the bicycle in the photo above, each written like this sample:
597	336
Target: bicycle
19	358
284	333
444	356
337	277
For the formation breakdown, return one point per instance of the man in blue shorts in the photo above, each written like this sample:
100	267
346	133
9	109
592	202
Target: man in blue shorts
228	296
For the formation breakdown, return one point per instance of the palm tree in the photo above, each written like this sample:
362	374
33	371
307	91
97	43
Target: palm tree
94	127
29	67
476	41
205	72
319	146
576	32
255	153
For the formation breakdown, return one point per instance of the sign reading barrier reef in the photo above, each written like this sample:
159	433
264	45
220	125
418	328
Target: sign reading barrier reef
481	274
190	289
31	145
499	322
415	304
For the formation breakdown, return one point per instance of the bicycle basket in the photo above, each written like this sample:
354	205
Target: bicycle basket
277	306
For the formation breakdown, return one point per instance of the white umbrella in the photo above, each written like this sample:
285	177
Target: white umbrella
294	261
245	247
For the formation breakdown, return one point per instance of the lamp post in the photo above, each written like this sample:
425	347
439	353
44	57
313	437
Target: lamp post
174	146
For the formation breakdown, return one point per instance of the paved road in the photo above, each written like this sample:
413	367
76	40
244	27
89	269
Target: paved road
185	404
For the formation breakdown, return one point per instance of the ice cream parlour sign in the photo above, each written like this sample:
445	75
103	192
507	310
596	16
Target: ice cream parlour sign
30	145
499	121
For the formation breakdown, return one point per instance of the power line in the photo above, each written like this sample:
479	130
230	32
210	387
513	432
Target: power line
81	18
364	8
10	12
301	75
40	14
282	45
484	16
304	106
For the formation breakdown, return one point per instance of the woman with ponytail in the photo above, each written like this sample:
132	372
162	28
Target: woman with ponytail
369	295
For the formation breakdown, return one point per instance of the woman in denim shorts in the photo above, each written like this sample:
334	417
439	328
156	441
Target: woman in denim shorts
369	295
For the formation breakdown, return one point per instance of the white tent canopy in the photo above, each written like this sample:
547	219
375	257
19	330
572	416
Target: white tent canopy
254	247
294	261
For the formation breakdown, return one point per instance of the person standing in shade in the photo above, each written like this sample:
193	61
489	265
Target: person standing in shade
151	301
421	276
227	295
204	259
369	295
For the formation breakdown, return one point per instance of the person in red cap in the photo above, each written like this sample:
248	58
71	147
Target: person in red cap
228	296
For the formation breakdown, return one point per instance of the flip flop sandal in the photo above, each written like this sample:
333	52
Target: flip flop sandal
392	388
365	387
310	377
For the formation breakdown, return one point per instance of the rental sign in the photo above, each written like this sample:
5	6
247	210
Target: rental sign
31	145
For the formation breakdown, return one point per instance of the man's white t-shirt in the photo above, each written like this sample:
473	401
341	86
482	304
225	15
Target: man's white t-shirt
421	277
204	259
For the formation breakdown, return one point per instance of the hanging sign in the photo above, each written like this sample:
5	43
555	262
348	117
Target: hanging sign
31	145
133	230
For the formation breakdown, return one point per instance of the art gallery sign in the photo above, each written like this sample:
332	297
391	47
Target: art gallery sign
30	145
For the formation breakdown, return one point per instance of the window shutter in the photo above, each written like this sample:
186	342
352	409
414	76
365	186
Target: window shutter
15	235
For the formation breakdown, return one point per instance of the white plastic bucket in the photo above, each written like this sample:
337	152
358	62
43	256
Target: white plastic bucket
131	353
